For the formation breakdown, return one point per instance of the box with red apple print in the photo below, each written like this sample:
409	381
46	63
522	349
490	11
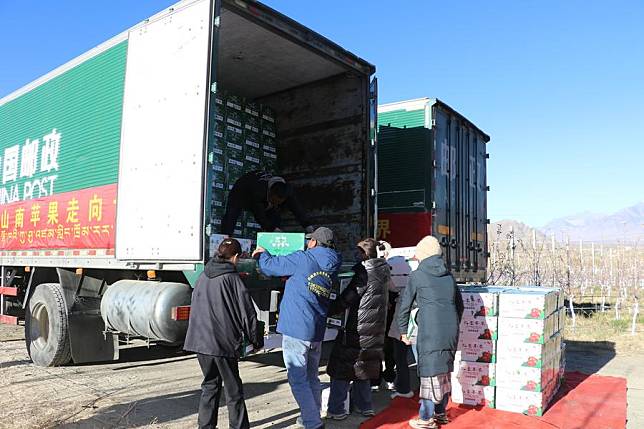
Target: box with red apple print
535	331
530	379
528	304
475	350
525	402
481	328
474	373
476	396
513	352
480	301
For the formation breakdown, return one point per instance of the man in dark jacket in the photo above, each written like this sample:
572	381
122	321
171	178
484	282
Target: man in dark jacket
264	195
358	349
440	308
302	316
222	313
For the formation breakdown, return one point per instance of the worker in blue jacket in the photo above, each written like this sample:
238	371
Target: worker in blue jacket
302	316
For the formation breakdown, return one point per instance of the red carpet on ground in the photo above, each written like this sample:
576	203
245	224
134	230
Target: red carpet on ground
583	402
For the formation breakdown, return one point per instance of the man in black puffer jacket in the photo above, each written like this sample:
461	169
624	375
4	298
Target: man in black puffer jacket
358	349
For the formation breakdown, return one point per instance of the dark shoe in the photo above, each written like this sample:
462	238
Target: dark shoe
441	418
331	416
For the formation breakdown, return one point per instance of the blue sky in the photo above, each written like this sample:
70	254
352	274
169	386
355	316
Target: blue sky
558	85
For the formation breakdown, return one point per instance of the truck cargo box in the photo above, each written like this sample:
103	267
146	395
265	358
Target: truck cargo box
116	166
107	161
432	180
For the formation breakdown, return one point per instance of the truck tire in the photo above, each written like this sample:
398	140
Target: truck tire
47	326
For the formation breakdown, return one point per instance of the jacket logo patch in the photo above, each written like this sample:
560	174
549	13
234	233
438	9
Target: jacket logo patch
313	281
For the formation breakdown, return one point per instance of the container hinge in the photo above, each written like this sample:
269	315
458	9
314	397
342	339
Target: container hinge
434	163
213	87
487	188
487	156
434	205
373	192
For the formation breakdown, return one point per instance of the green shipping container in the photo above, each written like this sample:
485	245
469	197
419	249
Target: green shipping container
432	180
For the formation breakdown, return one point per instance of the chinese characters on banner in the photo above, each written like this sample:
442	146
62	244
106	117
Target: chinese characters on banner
19	165
82	219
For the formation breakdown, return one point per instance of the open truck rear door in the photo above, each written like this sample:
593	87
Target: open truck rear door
160	214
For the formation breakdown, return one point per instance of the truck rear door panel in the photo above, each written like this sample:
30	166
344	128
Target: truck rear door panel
161	180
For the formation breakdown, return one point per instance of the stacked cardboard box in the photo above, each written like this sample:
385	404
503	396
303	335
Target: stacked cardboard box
529	349
510	352
244	138
474	376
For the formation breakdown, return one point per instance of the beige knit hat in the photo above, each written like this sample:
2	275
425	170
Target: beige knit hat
427	247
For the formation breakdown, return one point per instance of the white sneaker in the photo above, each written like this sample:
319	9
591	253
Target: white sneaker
391	386
402	395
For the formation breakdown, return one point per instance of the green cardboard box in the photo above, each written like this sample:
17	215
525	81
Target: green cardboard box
281	243
218	130
269	144
246	347
252	109
235	102
234	149
252	162
234	134
252	124
219	116
235	118
268	114
268	129
217	153
269	161
220	99
234	170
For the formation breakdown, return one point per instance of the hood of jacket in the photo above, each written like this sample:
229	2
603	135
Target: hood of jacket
328	259
434	265
217	267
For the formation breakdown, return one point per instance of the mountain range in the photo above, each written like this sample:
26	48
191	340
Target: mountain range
626	225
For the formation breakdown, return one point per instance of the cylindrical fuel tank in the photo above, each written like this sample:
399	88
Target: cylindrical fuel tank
144	308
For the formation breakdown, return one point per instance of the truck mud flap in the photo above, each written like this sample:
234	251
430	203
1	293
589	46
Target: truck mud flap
89	343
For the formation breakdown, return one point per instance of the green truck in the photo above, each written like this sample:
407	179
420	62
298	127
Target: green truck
432	179
116	164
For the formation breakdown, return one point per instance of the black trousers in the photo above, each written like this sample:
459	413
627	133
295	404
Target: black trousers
389	373
216	370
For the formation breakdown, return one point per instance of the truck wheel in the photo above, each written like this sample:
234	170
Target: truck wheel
47	326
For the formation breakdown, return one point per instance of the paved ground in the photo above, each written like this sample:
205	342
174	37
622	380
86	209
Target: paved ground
159	388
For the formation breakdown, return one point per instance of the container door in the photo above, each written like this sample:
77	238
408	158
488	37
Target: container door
441	183
373	139
470	213
452	142
163	137
481	208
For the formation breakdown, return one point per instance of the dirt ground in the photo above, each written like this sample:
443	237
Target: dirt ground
159	388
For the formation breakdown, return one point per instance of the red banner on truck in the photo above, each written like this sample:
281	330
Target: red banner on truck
404	229
81	219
